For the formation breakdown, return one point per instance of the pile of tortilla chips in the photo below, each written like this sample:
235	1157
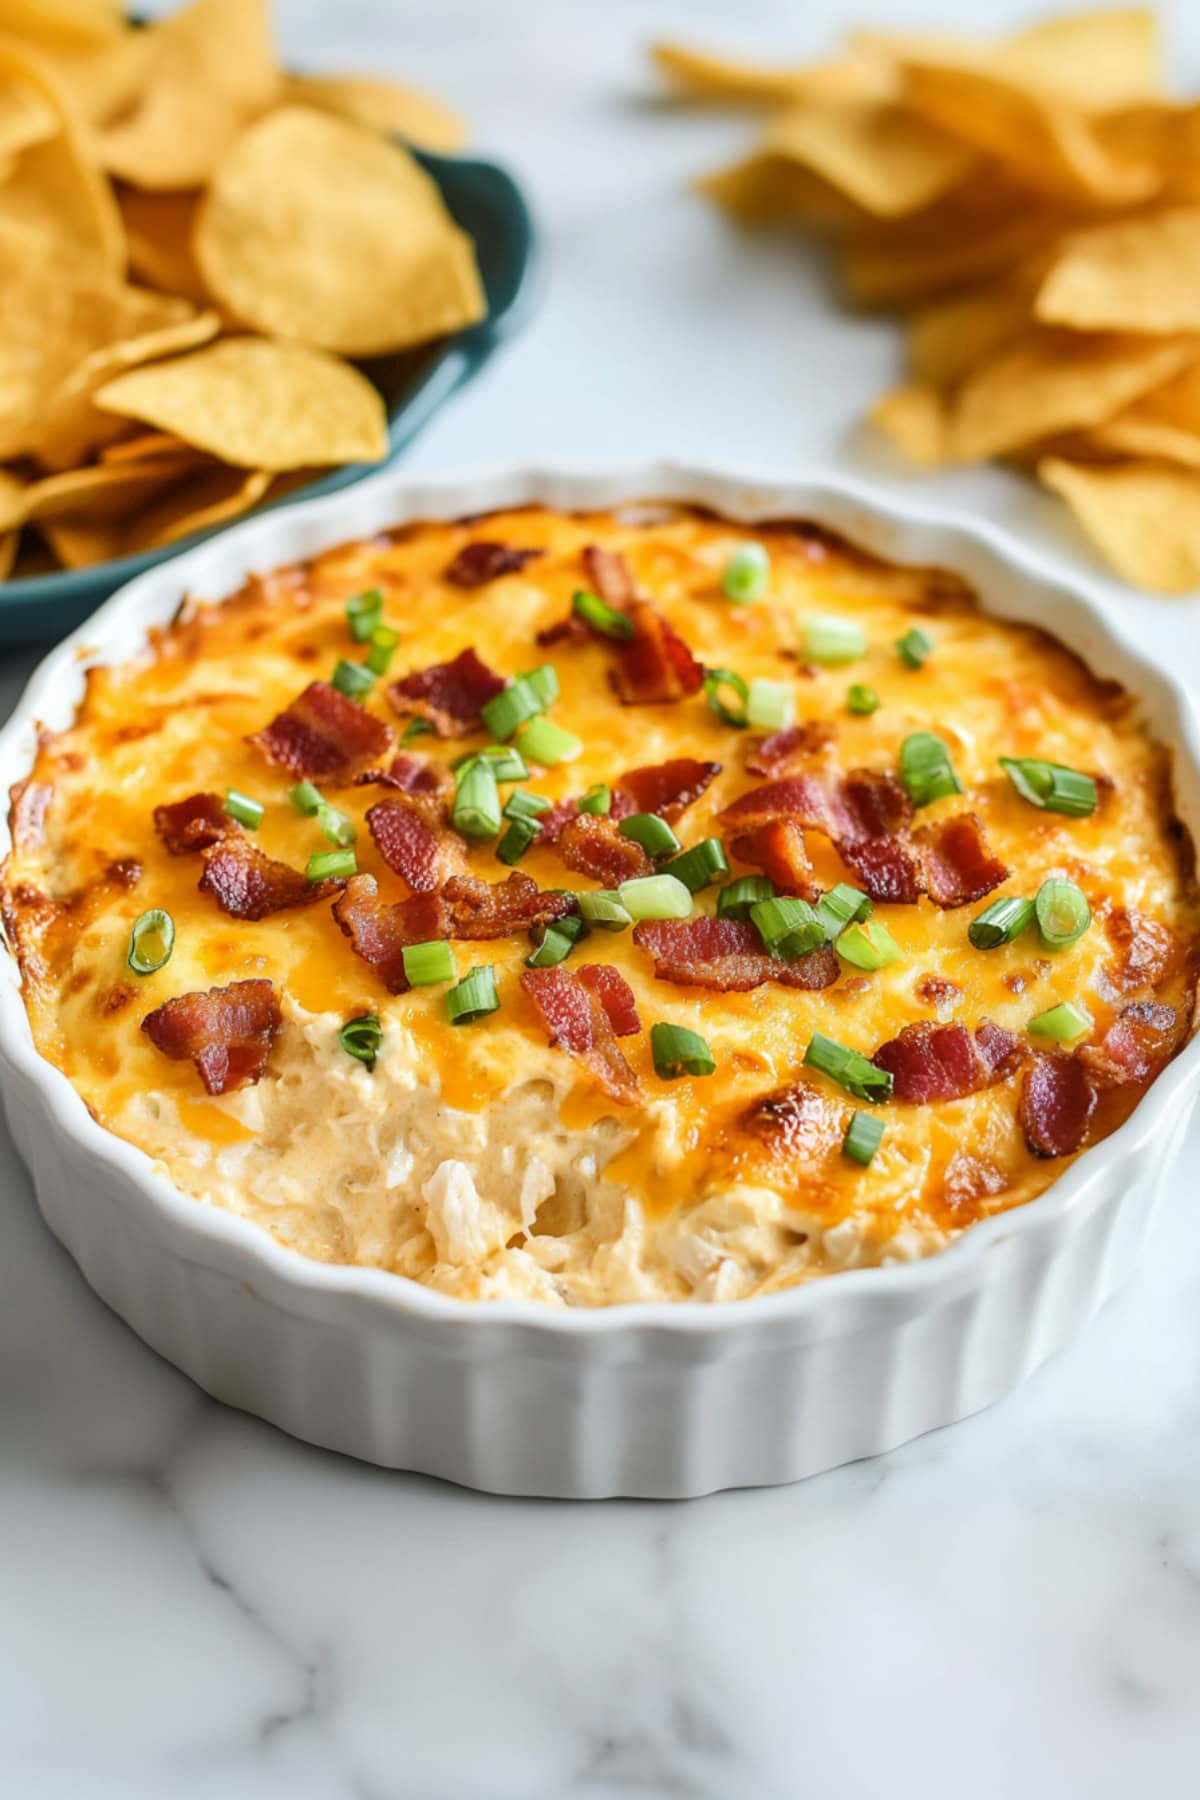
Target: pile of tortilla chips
193	243
1032	206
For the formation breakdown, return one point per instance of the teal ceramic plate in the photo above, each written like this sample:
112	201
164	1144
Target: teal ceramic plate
487	203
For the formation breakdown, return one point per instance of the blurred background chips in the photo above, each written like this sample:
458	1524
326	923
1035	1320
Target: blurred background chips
1032	207
192	242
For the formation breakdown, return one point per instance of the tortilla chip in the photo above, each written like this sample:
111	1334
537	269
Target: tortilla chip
1143	516
1139	274
146	444
701	76
210	497
26	118
949	338
257	403
96	494
159	229
314	228
386	106
764	190
84	22
877	154
53	191
9	544
914	418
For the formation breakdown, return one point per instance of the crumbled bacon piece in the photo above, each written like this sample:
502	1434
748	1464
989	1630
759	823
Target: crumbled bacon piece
592	844
484	561
420	777
929	1061
886	868
226	1032
247	884
412	848
790	751
851	809
609	576
464	908
727	954
654	665
1145	950
1057	1102
449	696
1143	1036
477	910
956	860
376	930
780	852
324	736
555	821
575	1017
668	788
194	823
615	996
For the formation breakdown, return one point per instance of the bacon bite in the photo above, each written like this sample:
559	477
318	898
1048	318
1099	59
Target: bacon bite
323	735
654	665
420	777
956	861
412	848
1057	1103
1141	1039
227	1032
247	884
465	908
576	1017
930	1062
486	560
591	844
792	750
193	824
727	954
668	788
449	696
615	996
780	852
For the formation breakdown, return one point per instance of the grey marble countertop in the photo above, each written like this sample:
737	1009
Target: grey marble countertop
194	1608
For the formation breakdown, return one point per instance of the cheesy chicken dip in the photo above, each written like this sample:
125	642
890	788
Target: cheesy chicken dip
604	908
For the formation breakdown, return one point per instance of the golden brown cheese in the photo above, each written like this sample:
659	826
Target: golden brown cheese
524	1177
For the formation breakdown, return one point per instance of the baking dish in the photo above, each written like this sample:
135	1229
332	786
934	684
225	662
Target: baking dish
658	1401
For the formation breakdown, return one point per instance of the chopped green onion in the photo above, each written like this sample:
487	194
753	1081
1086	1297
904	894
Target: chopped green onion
1063	913
736	900
517	839
652	833
788	927
745	576
700	866
425	964
511	707
849	1069
830	639
352	679
544	682
504	760
1000	922
655	897
861	699
151	942
714	681
383	648
863	1137
337	826
598	799
361	1038
869	946
363	613
926	769
843	905
770	705
558	940
603	909
241	807
600	616
474	996
1051	786
1062	1023
914	647
544	742
678	1051
331	865
416	728
521	804
305	798
477	800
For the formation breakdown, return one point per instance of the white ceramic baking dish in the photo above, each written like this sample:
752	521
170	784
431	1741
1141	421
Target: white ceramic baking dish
650	1400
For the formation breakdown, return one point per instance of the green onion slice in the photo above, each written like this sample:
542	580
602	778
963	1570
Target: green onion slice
544	682
849	1069
1063	913
1000	922
843	905
331	865
151	942
338	826
736	900
476	810
863	1137
521	804
678	1051
788	927
510	708
383	648
474	996
746	574
861	699
601	616
926	769
770	705
517	839
714	681
830	639
504	760
1051	786
700	866
914	647
352	679
652	833
1062	1024
425	964
246	811
363	613
603	909
361	1038
416	728
557	942
305	798
869	946
655	897
544	742
598	799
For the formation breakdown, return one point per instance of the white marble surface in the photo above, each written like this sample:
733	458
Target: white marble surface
193	1607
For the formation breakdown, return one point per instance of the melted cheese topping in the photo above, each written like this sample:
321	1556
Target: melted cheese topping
481	1159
